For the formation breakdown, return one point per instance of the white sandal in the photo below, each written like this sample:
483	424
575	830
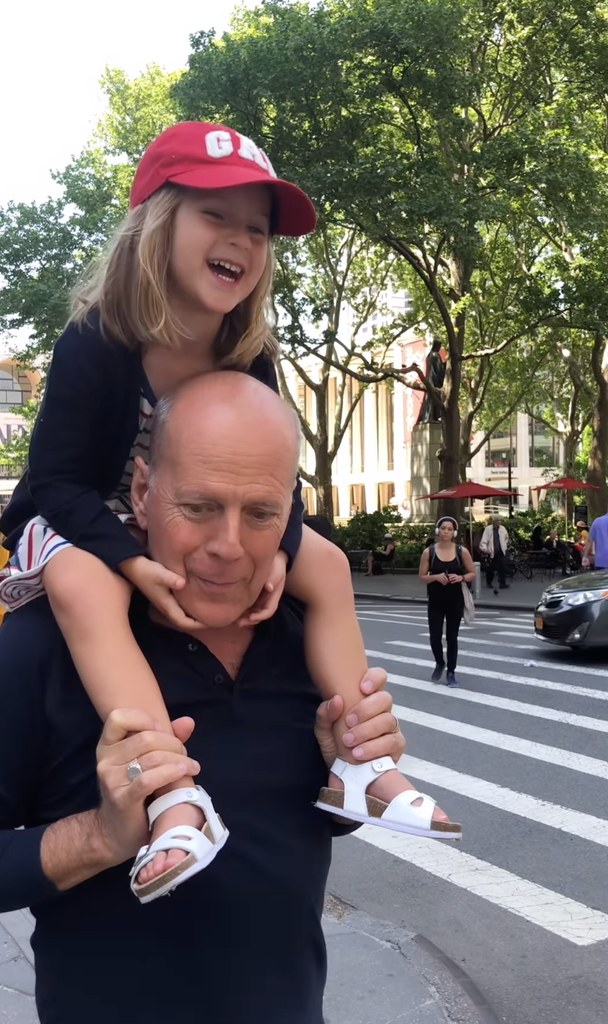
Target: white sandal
201	845
400	815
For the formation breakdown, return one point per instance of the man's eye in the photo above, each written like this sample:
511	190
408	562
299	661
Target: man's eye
261	515
194	510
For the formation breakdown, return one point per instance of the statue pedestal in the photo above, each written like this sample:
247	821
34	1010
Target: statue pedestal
426	441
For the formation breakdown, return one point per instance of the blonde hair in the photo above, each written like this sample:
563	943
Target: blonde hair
129	287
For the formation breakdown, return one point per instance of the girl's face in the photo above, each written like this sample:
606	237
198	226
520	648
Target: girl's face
220	246
446	531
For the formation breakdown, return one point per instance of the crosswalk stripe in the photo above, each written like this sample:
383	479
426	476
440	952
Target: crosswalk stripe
485	617
393	622
503	741
504	632
467	636
504	677
578	924
483	655
575	823
518	707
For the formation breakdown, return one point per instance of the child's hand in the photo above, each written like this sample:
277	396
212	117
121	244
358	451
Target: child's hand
158	584
268	601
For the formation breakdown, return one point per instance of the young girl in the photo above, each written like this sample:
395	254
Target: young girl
182	291
444	567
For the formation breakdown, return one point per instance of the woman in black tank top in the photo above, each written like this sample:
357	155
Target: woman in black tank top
444	567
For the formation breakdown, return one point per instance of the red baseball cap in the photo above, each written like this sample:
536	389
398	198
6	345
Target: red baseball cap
198	154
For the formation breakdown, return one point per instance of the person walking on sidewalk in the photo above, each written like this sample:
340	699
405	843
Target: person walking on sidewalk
494	542
444	567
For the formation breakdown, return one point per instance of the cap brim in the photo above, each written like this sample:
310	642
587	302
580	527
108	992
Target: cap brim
295	215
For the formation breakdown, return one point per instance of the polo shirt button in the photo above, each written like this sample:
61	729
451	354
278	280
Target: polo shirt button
218	678
192	647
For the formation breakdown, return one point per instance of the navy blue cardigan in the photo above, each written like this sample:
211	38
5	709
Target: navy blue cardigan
88	420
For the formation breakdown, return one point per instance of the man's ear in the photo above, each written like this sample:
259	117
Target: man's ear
139	491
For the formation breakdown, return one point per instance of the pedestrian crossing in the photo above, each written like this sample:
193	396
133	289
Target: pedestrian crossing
505	676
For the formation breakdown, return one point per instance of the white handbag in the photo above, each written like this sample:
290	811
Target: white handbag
469	604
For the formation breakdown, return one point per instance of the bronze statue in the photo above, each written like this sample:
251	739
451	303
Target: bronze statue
434	371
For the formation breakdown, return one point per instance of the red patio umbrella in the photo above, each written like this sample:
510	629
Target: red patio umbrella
469	490
567	483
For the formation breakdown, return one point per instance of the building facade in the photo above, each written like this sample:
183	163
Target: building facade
373	466
17	387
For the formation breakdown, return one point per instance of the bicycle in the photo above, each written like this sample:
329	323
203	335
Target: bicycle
515	562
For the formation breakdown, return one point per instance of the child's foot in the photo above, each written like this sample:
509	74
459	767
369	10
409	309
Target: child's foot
181	814
187	835
387	787
377	793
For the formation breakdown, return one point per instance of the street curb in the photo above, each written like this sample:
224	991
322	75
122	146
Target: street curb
508	607
447	983
19	925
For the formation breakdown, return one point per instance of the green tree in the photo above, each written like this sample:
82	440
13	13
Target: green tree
44	247
14	453
435	158
333	275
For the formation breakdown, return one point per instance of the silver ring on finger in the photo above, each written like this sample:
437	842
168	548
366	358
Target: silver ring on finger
397	726
134	770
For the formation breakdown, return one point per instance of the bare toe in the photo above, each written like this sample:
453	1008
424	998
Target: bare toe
439	815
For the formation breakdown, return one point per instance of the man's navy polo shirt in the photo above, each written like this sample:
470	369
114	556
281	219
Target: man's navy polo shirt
241	943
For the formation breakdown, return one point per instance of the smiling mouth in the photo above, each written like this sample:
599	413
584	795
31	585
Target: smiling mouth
218	584
229	272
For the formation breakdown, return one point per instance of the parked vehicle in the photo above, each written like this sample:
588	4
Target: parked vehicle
574	611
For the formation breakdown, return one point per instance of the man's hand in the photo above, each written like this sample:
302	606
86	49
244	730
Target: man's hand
130	735
81	846
268	601
373	729
158	584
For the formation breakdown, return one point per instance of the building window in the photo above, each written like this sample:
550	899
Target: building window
502	446
543	445
11	393
304	410
384	427
385	493
357	438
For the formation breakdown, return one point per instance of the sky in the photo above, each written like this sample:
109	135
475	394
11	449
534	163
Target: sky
52	54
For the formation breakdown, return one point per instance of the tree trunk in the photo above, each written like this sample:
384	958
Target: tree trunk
325	503
598	456
450	455
570	442
324	491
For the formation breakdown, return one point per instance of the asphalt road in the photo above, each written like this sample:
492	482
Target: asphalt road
519	754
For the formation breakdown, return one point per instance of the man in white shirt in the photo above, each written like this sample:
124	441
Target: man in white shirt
494	543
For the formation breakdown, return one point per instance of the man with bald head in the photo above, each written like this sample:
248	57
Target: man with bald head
216	508
242	942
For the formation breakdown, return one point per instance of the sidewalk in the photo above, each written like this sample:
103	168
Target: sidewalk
16	969
378	974
522	595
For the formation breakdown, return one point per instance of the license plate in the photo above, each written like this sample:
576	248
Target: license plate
538	623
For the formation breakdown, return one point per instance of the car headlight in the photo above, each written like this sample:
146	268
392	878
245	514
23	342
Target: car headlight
584	596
